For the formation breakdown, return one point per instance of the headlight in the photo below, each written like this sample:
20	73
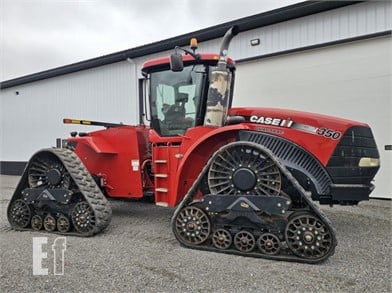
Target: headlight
369	162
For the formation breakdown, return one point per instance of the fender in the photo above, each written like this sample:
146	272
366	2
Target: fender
97	144
212	141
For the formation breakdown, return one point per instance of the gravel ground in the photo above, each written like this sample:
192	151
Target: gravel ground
138	252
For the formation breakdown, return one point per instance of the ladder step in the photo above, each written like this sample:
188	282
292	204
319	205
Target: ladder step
160	161
161	189
161	175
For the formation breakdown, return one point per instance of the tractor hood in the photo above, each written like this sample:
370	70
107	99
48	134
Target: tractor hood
292	118
317	133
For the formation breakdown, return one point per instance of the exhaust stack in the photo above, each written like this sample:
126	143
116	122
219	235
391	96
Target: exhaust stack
218	99
229	35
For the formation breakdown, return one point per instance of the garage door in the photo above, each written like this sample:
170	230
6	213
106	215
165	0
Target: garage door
351	80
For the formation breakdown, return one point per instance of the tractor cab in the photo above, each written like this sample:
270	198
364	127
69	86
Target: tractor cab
185	91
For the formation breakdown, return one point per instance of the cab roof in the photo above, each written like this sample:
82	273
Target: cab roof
164	62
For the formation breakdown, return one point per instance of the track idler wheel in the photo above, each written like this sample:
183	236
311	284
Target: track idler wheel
19	214
49	223
192	225
83	218
308	237
222	239
36	223
268	244
244	241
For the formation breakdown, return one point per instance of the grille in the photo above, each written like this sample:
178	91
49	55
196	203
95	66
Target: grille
356	143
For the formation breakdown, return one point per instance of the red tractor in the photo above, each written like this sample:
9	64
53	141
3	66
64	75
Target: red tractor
244	180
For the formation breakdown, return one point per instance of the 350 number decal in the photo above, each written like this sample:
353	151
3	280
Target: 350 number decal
329	133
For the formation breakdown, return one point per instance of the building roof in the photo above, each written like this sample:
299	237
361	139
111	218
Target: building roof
251	22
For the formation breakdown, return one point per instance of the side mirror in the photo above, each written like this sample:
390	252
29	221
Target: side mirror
176	63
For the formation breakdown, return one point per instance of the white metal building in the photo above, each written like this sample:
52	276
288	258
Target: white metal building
330	57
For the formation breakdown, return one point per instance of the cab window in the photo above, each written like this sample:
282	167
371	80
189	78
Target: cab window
175	99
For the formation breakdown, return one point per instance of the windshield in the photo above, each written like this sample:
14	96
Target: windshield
175	99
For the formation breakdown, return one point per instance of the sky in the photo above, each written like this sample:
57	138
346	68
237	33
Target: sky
37	35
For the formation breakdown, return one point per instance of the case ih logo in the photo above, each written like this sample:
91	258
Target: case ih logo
271	121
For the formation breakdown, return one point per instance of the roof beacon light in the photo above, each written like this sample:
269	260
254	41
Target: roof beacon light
193	44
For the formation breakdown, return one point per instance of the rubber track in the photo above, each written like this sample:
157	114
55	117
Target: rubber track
86	185
187	200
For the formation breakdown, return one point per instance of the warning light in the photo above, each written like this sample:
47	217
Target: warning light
193	44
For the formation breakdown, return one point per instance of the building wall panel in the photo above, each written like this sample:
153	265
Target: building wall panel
335	25
33	118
